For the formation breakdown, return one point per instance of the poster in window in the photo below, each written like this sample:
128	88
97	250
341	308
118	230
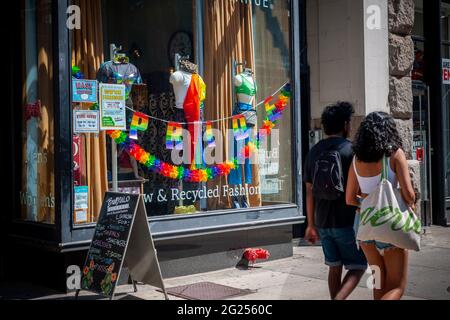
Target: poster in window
84	91
112	107
446	71
81	197
85	121
81	204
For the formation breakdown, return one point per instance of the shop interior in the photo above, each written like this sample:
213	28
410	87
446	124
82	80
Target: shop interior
253	36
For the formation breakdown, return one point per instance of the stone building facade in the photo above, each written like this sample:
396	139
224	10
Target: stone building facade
401	61
370	67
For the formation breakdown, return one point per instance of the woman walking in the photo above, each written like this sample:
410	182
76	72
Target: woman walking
376	139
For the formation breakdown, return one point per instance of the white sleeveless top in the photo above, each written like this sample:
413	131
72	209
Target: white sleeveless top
369	184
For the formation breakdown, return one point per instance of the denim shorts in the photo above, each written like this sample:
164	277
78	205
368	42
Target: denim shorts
340	248
381	246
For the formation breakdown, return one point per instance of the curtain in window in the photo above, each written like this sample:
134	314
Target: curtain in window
38	187
228	36
88	55
46	176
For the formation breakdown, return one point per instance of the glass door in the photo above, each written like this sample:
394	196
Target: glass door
421	147
446	131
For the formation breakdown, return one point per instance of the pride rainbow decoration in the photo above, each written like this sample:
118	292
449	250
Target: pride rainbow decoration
174	136
274	114
138	123
240	128
204	175
210	141
168	170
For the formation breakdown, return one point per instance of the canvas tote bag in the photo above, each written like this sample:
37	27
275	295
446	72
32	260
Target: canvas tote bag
385	217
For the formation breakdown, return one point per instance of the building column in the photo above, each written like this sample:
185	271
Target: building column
348	54
401	61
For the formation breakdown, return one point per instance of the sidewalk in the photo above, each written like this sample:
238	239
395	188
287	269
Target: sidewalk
304	276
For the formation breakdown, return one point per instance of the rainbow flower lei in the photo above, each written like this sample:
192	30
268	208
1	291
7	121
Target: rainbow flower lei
203	175
167	170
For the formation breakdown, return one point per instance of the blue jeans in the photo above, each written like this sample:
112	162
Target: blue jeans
339	247
235	177
381	246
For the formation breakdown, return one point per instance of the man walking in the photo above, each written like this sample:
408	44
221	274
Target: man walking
329	218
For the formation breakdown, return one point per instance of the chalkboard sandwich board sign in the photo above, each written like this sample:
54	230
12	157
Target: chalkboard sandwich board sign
122	238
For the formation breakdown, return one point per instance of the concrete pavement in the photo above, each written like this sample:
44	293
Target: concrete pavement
304	276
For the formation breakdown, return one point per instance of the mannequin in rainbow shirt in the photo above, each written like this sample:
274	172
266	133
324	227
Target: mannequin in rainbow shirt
246	89
190	94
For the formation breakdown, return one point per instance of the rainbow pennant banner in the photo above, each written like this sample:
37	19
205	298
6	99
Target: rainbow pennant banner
241	132
210	140
273	113
138	123
174	136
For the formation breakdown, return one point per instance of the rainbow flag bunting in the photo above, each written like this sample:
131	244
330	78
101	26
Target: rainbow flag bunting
138	123
241	132
210	140
174	136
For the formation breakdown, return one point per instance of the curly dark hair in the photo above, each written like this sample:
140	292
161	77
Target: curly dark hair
335	116
377	136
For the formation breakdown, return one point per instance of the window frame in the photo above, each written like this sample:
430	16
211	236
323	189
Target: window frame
65	236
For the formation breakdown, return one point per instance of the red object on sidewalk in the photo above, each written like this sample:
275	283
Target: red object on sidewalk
256	254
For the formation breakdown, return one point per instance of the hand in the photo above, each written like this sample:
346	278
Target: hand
311	235
360	199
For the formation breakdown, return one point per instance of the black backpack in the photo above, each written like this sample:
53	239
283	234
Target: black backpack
328	178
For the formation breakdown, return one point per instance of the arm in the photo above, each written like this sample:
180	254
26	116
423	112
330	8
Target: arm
352	191
176	78
402	171
311	231
238	81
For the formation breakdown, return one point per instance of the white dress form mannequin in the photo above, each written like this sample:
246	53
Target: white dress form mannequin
180	81
246	94
238	81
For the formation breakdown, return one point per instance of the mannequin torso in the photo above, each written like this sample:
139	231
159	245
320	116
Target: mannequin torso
190	92
180	81
245	88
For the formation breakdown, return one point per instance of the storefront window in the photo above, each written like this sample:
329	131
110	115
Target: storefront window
419	43
37	194
207	72
446	133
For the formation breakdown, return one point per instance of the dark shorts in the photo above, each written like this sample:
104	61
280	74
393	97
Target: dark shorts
340	249
381	246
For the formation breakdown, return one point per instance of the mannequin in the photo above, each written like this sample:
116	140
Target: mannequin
190	94
120	71
245	88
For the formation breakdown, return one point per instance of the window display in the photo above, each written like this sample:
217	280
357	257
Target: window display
190	94
215	133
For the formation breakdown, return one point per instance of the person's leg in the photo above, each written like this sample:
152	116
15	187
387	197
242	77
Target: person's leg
376	263
396	262
348	285
334	281
333	260
353	259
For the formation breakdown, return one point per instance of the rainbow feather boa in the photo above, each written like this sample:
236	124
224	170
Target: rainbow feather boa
201	175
